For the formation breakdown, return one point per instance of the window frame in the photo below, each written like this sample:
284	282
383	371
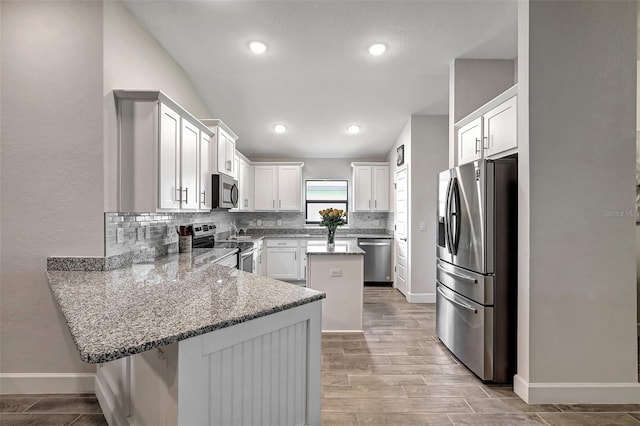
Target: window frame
306	201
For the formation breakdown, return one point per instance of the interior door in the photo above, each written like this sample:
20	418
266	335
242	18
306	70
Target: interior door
401	281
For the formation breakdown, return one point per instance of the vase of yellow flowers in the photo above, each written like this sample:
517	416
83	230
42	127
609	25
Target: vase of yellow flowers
332	218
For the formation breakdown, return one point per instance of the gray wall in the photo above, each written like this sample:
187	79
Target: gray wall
51	171
579	322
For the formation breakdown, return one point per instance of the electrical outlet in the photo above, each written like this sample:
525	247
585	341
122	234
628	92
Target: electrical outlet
422	225
259	222
335	272
120	236
140	233
147	232
376	222
279	222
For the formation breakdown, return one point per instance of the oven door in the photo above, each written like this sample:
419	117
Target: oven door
246	261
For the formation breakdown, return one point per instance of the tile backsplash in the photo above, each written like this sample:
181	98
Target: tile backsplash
161	226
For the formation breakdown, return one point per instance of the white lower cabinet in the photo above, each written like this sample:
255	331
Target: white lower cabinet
283	260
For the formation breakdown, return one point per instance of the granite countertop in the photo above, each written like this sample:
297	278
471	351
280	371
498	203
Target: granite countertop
117	313
341	247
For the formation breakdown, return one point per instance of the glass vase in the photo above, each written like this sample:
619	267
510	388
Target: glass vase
331	237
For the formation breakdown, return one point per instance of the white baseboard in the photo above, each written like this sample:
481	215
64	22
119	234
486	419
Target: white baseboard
28	383
421	297
576	393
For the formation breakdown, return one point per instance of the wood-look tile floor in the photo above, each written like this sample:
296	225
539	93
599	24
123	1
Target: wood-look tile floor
398	373
51	410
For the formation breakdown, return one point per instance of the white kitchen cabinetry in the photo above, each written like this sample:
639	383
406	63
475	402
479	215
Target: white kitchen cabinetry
245	185
277	187
160	155
225	143
205	172
490	131
283	259
370	187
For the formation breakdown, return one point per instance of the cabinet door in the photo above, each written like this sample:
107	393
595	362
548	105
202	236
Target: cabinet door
205	172
265	188
501	128
362	188
289	188
381	187
282	263
245	184
169	152
230	152
189	166
222	138
470	142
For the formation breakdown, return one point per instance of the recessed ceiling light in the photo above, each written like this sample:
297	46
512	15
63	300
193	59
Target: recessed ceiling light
257	47
353	129
279	128
377	49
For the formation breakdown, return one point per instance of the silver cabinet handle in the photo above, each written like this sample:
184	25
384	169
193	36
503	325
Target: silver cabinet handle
295	255
375	204
204	197
462	277
462	305
279	204
374	244
282	244
186	195
403	239
369	203
477	145
273	202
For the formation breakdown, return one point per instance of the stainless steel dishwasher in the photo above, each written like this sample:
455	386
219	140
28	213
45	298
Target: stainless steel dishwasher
377	259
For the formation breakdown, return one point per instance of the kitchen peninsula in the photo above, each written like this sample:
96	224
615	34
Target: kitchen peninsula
182	341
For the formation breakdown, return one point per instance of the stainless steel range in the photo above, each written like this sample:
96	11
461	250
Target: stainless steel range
204	237
477	266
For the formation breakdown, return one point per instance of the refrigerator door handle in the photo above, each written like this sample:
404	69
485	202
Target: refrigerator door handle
455	302
455	189
462	277
447	217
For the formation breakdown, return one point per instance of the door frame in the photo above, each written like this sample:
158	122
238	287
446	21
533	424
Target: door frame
404	168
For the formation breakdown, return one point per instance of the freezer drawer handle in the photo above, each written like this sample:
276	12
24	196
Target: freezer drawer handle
374	244
462	277
462	305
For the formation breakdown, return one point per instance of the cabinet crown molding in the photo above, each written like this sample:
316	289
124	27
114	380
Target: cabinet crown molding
369	163
216	122
507	94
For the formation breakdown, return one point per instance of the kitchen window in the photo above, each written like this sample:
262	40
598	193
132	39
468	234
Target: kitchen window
322	194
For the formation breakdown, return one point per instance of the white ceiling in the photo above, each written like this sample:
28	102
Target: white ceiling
317	76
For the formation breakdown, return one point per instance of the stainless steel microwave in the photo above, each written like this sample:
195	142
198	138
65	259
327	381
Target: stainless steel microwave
225	192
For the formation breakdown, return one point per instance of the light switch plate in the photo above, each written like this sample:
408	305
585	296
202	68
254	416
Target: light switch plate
147	232
279	222
140	233
335	272
259	222
120	236
422	225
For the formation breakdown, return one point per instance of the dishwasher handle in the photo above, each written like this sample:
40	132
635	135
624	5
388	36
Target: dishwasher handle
374	244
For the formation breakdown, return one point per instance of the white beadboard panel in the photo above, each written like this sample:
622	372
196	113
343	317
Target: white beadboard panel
262	373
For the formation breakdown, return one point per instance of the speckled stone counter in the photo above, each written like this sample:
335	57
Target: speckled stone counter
318	232
114	314
340	248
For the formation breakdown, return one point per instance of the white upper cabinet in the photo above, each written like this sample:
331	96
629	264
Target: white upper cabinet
225	147
169	173
189	169
205	172
277	187
370	187
489	132
289	188
501	128
469	142
164	155
245	185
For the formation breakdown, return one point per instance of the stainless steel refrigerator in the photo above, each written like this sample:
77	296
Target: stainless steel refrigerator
476	289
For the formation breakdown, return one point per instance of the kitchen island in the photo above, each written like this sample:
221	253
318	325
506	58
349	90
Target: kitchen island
182	341
338	272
